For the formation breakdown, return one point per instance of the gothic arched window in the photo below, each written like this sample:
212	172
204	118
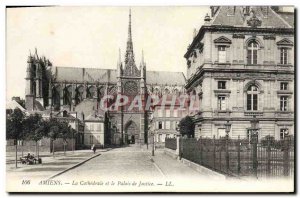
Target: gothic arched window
90	92
67	97
252	98
79	94
56	98
252	49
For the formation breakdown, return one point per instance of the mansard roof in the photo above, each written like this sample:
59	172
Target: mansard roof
289	17
235	16
262	19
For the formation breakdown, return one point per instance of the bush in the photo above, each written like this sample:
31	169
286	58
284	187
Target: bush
187	127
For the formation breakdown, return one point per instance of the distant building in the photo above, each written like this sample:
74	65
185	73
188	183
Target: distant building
239	65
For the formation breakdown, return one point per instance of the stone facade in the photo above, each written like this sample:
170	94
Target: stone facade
240	65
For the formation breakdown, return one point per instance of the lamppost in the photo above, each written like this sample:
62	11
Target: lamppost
153	143
227	130
179	146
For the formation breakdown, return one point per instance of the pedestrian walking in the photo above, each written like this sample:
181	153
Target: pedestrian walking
93	148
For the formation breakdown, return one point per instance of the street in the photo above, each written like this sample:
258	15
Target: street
127	169
132	162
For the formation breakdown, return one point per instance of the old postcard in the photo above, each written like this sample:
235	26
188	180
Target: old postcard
150	99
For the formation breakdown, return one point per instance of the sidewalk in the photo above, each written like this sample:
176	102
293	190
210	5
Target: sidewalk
50	165
173	168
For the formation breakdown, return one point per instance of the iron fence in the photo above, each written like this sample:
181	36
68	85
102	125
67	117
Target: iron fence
171	143
241	157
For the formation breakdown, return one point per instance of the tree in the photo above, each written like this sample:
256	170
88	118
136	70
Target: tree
35	128
53	131
15	128
65	133
187	127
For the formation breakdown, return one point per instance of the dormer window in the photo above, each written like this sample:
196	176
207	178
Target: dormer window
221	44
284	47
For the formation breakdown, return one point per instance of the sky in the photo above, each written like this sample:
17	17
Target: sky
91	37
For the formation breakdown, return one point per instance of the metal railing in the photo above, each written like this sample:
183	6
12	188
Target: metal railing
171	143
241	157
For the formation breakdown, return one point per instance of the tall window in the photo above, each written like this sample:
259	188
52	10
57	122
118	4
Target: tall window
221	133
252	53
252	98
159	125
221	84
221	103
284	56
167	112
168	125
283	103
283	86
160	113
175	113
282	133
222	54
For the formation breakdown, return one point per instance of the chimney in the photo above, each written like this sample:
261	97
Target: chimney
207	19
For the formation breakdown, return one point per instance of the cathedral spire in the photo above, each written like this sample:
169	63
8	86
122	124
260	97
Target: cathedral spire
129	50
130	66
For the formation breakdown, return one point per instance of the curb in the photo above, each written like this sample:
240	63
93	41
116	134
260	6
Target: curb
202	169
72	167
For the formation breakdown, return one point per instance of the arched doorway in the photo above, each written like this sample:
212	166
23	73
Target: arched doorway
132	132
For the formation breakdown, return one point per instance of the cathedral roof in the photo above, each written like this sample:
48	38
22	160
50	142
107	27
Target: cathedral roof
165	77
90	75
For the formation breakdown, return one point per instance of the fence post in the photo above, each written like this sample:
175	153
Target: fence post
269	157
286	159
239	156
254	153
200	149
214	154
177	145
227	153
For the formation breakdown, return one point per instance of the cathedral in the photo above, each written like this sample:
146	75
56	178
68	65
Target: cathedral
78	92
